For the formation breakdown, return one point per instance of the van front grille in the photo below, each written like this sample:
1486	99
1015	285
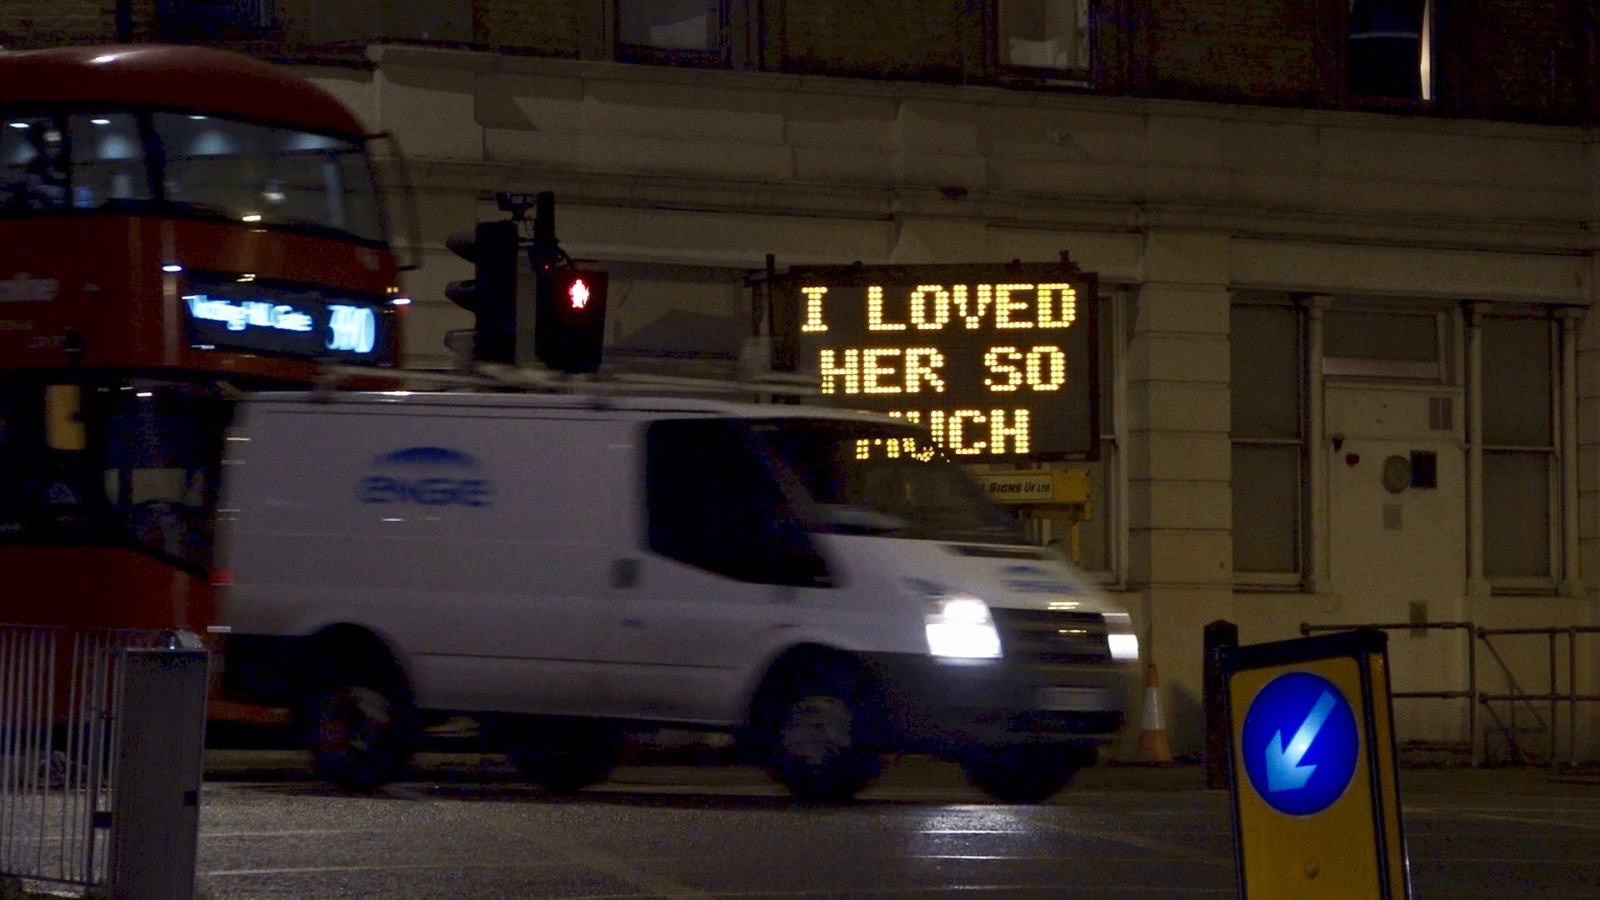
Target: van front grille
1052	638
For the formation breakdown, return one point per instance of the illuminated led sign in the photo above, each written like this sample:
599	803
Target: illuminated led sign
998	361
232	313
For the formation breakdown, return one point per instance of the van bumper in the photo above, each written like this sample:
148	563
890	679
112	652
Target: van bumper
940	705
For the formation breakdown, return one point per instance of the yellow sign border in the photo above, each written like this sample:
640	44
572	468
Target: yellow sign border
1355	847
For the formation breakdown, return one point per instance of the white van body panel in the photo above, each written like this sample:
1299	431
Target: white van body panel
498	547
449	584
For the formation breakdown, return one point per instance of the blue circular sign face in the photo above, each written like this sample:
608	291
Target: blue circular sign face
1299	743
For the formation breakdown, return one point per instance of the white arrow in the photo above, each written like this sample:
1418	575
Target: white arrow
1284	772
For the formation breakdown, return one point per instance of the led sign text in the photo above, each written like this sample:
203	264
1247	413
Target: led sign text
248	314
352	328
993	366
242	313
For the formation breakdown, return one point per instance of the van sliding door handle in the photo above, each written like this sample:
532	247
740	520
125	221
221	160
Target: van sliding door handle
632	623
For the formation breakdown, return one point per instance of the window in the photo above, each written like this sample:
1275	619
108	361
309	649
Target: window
1268	431
91	462
351	21
680	31
80	161
274	176
1390	50
1043	37
1379	339
108	160
714	504
1520	468
33	169
180	19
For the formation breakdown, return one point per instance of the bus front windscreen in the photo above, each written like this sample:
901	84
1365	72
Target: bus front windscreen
131	464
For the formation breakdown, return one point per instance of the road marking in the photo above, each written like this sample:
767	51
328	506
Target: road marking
604	863
1119	837
1502	817
291	833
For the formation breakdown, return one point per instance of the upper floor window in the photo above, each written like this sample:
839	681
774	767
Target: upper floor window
1390	53
1377	339
683	31
428	21
1044	37
177	20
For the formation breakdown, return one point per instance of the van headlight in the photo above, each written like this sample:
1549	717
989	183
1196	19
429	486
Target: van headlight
1124	644
959	627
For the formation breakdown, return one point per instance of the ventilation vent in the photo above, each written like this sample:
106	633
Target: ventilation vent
1441	414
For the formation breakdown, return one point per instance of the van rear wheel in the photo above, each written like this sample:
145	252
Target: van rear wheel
813	742
359	732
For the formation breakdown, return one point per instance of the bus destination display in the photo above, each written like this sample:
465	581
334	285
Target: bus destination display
998	361
286	320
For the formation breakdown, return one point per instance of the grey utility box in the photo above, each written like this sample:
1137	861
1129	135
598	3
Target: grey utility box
158	755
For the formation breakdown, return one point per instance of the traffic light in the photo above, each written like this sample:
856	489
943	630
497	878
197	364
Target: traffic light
571	320
491	294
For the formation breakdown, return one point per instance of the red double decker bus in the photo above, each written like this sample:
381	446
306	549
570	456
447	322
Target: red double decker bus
178	225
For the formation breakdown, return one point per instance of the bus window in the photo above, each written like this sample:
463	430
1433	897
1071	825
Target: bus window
275	176
108	163
33	166
162	451
130	464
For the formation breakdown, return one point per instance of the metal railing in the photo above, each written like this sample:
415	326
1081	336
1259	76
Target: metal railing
1469	693
56	720
1554	696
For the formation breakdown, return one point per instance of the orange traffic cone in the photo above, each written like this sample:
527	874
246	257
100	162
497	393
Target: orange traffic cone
1153	747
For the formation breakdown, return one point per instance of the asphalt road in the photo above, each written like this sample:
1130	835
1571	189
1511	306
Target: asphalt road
466	830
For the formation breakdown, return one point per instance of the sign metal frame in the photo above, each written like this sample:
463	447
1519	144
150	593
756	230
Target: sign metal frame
1354	845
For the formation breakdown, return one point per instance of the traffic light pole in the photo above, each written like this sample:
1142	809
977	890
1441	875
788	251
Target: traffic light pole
554	313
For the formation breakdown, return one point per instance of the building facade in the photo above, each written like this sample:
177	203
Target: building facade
1346	256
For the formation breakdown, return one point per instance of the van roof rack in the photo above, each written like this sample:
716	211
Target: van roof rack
538	379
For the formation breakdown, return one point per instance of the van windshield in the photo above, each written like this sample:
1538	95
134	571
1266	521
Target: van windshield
882	479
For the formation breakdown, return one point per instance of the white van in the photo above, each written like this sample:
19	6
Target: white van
823	585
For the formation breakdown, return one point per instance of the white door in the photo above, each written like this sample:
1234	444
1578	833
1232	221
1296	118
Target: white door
1397	538
1396	500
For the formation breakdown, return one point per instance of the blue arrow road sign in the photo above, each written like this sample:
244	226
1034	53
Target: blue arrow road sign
1299	743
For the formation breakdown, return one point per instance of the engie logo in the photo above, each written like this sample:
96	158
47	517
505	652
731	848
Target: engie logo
428	476
1034	580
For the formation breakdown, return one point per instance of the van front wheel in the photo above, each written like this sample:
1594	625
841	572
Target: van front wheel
813	744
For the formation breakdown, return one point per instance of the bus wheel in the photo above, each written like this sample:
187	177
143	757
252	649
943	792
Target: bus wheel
813	742
564	755
359	737
1023	773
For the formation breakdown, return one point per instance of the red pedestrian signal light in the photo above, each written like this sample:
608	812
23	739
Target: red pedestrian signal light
570	331
578	293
